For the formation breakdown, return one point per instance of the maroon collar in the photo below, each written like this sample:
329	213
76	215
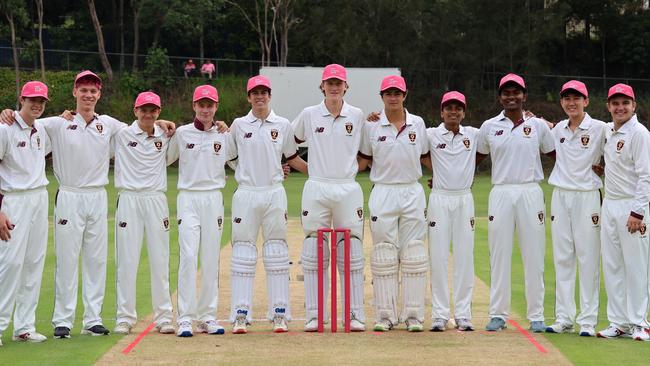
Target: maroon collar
199	125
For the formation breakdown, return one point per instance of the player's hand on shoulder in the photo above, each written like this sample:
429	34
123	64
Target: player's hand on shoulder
7	117
373	117
222	127
5	227
68	114
168	127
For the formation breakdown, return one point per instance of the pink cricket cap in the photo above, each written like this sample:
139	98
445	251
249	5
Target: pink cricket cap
335	71
205	92
622	89
453	96
147	98
87	74
33	89
256	81
393	81
512	78
576	85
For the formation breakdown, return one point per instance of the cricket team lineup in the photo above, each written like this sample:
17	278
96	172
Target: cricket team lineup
411	238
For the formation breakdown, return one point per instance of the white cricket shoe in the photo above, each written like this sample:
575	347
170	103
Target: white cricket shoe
611	332
383	325
184	329
29	337
311	325
438	325
356	325
122	328
414	325
464	325
210	327
587	331
559	327
165	328
240	326
280	324
640	333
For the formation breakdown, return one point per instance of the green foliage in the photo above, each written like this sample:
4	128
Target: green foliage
158	70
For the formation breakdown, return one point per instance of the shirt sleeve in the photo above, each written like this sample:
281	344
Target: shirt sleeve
47	143
483	139
298	126
172	149
50	124
289	148
115	125
424	142
641	157
231	146
365	147
4	141
546	143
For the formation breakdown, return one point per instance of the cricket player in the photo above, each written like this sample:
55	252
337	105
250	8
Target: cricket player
202	153
514	143
141	179
23	214
331	196
624	235
451	212
261	140
575	211
397	204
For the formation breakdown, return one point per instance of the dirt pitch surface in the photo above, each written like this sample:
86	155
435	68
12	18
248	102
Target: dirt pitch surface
260	345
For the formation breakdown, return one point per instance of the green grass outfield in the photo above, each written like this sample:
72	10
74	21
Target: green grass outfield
84	350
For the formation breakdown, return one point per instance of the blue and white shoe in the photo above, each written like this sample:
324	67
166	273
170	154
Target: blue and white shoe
185	329
210	327
560	327
537	326
495	324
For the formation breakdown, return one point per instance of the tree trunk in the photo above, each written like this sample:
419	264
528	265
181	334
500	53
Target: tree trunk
136	36
159	24
39	10
10	18
100	40
201	49
121	30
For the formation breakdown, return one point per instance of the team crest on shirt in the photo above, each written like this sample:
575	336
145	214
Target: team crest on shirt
217	147
412	136
349	127
642	230
99	127
274	134
527	130
595	219
584	139
540	216
466	142
166	223
619	145
471	223
158	144
219	222
360	212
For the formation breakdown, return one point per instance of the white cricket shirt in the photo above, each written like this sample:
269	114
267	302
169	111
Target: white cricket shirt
140	159
333	141
453	157
575	153
395	154
202	156
627	164
515	149
81	151
22	156
259	145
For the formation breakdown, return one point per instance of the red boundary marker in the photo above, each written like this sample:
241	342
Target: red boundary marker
137	340
528	336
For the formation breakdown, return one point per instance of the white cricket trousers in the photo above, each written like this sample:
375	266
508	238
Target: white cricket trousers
200	225
22	258
137	214
451	222
520	206
575	225
625	265
80	229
